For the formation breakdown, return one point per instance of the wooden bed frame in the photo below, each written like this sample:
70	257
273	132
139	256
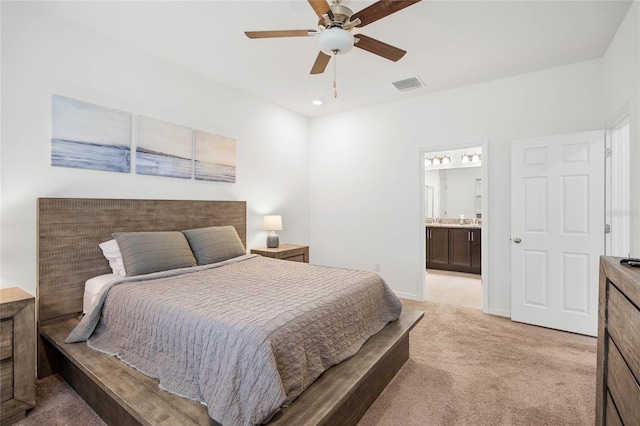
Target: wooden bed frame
69	231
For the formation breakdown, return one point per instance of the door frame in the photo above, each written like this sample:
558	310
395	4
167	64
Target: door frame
625	113
485	214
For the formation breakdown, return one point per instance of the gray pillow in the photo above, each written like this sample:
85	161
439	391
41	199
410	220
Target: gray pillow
214	244
147	252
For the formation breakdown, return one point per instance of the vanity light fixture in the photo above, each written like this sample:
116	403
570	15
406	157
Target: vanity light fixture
471	158
317	102
436	161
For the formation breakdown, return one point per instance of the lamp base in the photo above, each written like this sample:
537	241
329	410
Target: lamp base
273	241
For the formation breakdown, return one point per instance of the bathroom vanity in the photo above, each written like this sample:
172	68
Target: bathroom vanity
454	247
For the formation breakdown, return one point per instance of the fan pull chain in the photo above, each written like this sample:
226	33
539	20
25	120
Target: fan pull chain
335	86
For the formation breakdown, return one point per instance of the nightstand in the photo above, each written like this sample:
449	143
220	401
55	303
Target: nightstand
17	354
285	252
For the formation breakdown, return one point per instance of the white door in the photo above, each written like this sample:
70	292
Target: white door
557	230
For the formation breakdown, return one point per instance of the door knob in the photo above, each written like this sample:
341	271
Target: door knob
517	240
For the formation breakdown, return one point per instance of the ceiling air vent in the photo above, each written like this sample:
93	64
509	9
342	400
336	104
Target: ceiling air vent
408	84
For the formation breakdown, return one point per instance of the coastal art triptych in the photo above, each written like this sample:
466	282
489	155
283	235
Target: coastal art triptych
89	136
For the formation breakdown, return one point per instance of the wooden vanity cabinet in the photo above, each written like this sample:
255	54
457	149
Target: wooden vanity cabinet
476	251
454	249
460	248
437	248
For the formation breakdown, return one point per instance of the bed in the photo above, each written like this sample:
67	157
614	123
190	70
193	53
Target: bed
69	232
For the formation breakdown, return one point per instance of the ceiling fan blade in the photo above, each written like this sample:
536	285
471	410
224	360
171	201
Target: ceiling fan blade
379	10
379	48
321	7
280	33
320	64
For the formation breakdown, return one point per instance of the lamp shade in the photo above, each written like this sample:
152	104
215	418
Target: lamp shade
335	40
272	223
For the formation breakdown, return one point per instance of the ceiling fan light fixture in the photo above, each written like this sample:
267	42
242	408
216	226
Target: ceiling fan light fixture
335	40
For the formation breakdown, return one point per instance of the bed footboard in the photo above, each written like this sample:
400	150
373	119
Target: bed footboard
123	396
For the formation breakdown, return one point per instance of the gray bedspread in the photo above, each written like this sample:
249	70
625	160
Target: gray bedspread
244	337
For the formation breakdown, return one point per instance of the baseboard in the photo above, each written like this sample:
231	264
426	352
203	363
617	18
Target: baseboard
409	296
499	312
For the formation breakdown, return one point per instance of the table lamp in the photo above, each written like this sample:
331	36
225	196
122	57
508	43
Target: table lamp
272	223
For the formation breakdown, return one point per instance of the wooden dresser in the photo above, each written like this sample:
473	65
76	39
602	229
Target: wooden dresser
618	391
17	354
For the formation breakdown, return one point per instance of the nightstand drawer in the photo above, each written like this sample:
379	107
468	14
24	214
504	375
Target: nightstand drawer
297	258
17	354
6	379
289	252
6	338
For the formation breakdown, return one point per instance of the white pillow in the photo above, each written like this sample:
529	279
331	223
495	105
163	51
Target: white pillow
111	252
92	289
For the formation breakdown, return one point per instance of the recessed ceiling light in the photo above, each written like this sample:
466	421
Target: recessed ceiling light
317	102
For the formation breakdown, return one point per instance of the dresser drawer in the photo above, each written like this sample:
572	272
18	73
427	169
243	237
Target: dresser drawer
624	328
623	387
613	419
6	338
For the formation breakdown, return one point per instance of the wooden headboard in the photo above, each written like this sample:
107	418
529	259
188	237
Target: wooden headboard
70	229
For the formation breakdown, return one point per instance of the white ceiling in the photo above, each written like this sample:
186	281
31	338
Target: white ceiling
449	43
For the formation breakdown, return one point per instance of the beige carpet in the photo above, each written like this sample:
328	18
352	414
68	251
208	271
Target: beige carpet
469	368
58	405
466	368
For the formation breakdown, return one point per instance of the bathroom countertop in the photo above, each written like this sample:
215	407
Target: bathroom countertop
453	225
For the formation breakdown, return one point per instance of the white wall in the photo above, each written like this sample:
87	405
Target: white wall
621	68
364	190
43	55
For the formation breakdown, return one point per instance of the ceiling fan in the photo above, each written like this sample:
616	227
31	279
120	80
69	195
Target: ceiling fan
335	30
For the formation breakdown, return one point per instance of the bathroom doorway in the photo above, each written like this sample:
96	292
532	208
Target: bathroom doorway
454	213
